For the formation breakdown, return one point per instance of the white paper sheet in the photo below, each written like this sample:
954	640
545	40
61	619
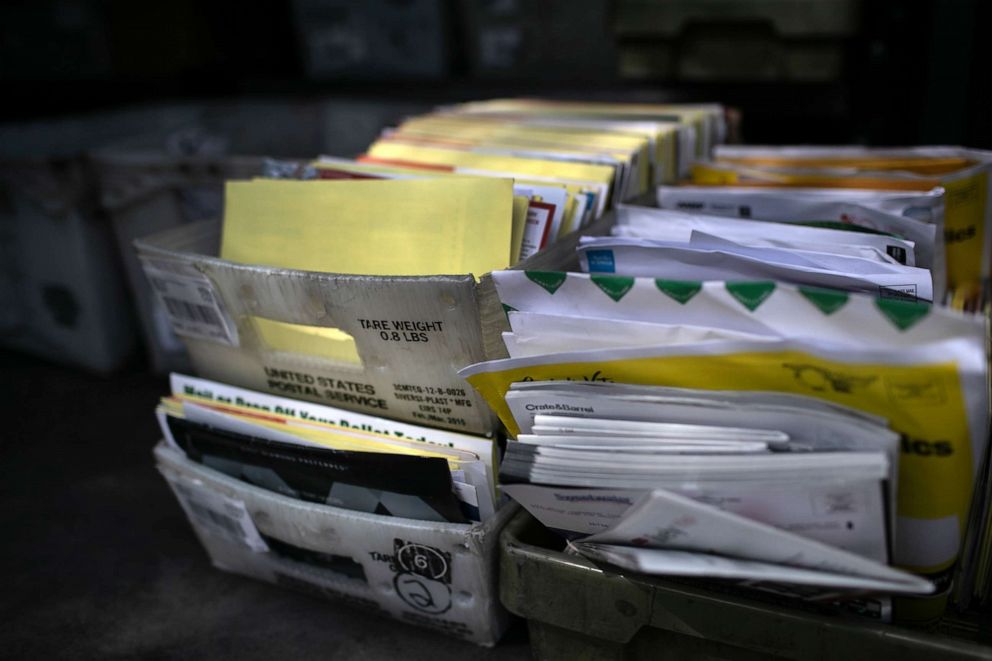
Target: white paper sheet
664	562
665	520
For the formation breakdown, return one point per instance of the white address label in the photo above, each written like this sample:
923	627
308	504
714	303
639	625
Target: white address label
188	299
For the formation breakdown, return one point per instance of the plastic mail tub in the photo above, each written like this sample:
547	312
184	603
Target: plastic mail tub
578	612
61	291
440	576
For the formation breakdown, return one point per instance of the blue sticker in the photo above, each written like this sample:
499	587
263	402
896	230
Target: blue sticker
601	261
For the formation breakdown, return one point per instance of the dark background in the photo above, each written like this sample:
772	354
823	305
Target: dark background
827	71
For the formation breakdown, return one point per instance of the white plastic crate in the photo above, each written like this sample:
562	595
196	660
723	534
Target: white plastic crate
61	293
441	576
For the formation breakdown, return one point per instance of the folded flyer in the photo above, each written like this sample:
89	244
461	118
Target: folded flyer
469	478
665	562
664	520
396	485
189	387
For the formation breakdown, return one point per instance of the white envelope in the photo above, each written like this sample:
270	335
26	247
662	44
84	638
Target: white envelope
725	261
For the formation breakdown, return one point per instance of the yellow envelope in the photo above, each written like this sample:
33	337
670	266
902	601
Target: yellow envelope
599	175
704	118
659	141
379	227
620	163
569	222
625	145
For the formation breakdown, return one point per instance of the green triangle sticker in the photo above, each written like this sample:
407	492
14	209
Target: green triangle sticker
750	294
614	286
903	314
680	290
550	280
827	300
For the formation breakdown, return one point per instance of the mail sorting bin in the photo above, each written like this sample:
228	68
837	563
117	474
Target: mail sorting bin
579	612
222	307
438	576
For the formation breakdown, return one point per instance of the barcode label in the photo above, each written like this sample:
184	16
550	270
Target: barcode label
220	516
188	298
187	311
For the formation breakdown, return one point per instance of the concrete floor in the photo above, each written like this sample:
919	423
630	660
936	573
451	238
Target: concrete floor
100	563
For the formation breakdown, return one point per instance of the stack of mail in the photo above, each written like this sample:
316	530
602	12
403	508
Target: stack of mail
936	198
464	190
317	453
581	157
676	245
848	428
330	456
707	121
544	208
964	174
736	497
916	218
567	162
